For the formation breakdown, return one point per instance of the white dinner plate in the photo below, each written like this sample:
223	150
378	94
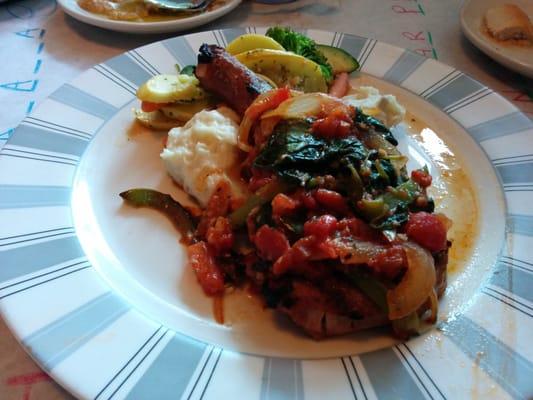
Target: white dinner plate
72	8
100	295
517	58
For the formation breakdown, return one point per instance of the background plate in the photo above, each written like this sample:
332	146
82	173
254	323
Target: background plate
71	8
517	58
80	305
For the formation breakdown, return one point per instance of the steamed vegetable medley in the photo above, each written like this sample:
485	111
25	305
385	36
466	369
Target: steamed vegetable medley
302	193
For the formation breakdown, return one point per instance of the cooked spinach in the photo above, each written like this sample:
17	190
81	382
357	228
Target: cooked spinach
365	176
350	181
296	155
383	174
399	216
370	122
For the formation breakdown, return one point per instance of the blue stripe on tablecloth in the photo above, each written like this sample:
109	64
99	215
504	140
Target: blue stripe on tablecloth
404	66
20	196
509	369
23	260
457	89
80	100
61	338
516	173
181	50
45	139
282	379
513	280
169	374
389	376
520	224
128	69
501	126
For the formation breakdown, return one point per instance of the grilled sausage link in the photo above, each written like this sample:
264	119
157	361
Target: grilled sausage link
223	75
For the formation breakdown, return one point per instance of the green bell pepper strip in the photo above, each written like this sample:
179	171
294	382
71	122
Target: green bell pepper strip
371	287
262	196
375	209
184	222
377	292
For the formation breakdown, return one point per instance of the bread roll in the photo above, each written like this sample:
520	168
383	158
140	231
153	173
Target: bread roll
508	22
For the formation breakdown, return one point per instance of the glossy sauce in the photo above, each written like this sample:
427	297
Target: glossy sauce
218	309
452	191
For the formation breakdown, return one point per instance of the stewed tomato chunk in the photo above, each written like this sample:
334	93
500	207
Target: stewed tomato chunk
271	243
207	272
427	230
321	227
422	177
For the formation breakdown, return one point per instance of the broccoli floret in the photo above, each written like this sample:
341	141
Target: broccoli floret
301	45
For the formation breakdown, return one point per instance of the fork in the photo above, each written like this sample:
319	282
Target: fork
185	6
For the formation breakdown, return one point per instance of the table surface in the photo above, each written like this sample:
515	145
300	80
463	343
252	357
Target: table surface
42	48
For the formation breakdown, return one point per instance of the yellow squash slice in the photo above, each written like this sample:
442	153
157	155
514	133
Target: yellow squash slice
285	69
252	41
185	111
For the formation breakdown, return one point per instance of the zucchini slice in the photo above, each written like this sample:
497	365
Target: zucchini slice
339	59
168	88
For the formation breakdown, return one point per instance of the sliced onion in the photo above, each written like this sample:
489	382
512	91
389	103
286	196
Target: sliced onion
398	162
260	105
268	80
267	126
376	141
244	132
415	286
433	307
306	105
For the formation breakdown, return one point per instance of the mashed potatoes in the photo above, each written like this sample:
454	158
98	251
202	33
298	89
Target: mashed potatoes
384	107
201	153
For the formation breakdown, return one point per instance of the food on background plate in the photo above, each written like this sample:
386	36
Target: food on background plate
508	22
140	10
304	195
